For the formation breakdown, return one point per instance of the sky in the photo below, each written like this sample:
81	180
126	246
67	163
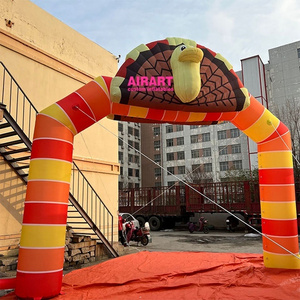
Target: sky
237	29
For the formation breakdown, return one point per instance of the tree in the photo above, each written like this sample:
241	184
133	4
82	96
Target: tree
241	175
197	175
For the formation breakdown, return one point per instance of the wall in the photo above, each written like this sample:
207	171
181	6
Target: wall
49	60
283	73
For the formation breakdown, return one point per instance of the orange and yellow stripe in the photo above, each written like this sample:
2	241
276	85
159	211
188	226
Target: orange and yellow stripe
42	244
276	180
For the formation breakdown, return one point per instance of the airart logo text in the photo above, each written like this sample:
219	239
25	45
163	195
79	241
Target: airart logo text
152	84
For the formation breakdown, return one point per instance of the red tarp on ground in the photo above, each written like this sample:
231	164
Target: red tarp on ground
181	275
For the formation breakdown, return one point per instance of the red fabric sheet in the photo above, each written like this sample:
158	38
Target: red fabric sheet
182	275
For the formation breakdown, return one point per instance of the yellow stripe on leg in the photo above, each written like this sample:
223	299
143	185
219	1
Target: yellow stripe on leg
276	159
50	169
43	236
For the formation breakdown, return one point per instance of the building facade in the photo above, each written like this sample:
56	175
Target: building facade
49	60
192	153
283	75
129	154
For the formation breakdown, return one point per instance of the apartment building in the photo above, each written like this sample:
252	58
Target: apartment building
283	75
129	154
193	153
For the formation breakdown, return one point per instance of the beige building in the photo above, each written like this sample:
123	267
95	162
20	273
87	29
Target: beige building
49	60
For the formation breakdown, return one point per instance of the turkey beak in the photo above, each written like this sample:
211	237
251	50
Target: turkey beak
191	55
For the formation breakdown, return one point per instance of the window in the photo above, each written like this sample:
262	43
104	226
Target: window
179	127
237	165
170	156
181	170
180	141
223	150
222	135
206	152
136	132
195	153
169	142
130	157
136	185
120	155
298	51
206	137
156	145
171	170
137	146
130	145
236	148
137	173
130	172
130	130
234	132
120	142
157	184
194	126
223	165
207	167
169	128
171	183
121	171
137	159
157	158
120	126
157	172
180	155
195	167
194	139
156	130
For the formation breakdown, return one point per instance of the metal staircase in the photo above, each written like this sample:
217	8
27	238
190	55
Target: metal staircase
87	214
15	147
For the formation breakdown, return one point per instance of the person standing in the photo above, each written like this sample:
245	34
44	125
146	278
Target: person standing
121	234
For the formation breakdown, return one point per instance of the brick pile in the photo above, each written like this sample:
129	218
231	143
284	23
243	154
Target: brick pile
79	249
8	264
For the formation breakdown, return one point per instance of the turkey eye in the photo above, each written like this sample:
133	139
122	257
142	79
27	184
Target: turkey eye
183	47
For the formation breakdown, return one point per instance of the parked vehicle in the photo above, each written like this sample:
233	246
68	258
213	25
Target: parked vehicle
232	223
201	226
163	206
137	234
129	218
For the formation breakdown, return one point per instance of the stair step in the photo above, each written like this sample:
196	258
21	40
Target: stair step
21	167
90	234
15	151
87	229
73	210
7	134
12	143
19	159
78	222
23	175
4	125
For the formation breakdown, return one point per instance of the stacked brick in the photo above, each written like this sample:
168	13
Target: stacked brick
8	264
79	249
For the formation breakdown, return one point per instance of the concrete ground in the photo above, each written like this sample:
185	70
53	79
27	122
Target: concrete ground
215	241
